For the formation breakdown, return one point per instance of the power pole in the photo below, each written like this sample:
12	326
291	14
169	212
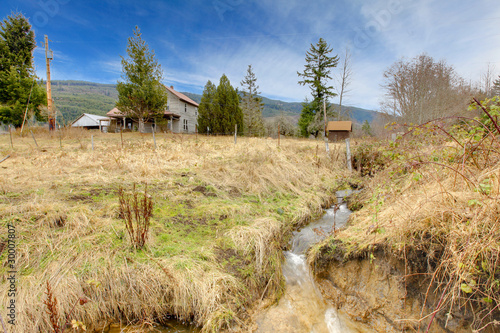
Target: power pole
324	112
326	128
48	58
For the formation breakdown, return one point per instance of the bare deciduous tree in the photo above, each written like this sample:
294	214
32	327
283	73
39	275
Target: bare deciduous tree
344	81
284	123
421	89
486	83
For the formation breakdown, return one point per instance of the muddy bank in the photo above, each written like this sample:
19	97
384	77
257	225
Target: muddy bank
378	292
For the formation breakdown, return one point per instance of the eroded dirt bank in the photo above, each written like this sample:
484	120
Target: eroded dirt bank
373	291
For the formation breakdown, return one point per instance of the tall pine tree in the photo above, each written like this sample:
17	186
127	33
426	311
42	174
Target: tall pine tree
316	75
219	108
251	105
230	112
208	109
141	96
17	76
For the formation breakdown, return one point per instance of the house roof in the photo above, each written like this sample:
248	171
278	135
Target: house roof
115	113
88	119
339	126
181	96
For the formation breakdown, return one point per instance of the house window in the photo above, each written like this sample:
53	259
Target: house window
168	104
185	124
196	111
185	107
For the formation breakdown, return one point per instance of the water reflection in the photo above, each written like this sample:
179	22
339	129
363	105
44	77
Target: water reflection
172	326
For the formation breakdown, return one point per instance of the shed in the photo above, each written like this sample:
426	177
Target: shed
91	121
339	130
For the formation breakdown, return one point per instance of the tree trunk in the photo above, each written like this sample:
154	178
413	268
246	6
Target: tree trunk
141	125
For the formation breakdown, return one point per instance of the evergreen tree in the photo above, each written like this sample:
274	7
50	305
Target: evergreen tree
17	76
141	96
230	113
316	75
307	117
317	124
366	128
251	105
496	87
208	109
219	108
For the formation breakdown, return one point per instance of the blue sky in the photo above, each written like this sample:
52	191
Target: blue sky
197	41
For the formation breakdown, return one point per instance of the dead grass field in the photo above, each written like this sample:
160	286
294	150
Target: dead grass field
222	215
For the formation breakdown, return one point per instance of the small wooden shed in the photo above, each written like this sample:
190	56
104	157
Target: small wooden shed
91	121
338	130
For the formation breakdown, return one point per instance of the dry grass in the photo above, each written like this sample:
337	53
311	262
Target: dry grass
221	214
438	210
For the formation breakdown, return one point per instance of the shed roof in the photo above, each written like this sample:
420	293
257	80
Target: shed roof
181	96
88	119
339	126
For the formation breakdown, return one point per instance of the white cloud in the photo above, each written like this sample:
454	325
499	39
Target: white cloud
277	34
113	66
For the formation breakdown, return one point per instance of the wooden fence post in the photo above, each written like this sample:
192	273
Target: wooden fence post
279	133
348	152
154	137
33	135
10	133
92	138
235	132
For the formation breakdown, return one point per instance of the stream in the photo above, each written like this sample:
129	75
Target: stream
302	309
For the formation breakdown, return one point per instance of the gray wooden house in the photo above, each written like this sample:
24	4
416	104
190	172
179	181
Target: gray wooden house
181	115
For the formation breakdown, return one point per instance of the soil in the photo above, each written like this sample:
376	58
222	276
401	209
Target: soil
373	291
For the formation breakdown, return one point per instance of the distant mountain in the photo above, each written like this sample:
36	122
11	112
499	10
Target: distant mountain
72	98
273	108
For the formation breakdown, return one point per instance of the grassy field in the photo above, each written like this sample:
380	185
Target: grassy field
222	214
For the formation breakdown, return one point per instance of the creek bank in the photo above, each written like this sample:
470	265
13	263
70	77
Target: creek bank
371	289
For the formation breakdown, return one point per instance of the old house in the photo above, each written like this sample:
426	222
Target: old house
91	121
185	108
181	116
339	130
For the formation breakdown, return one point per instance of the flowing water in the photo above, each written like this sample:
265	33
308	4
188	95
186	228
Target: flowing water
302	308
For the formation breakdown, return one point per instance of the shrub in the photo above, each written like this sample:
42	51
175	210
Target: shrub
136	211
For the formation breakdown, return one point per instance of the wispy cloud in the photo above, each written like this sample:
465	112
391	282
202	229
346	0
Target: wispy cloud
111	66
197	41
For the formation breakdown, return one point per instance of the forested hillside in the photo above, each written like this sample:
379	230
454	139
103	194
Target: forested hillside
274	108
72	98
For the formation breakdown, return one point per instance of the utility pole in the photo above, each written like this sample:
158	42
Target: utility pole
48	58
326	128
324	109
